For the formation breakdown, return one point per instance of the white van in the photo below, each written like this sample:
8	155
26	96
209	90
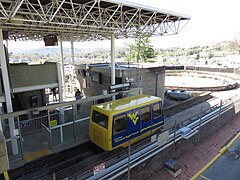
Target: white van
232	61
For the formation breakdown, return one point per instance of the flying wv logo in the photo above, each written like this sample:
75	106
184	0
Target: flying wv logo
133	117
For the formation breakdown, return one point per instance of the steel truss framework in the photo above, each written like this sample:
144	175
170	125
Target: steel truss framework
80	20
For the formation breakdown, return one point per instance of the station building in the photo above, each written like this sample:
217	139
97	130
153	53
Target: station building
95	79
28	85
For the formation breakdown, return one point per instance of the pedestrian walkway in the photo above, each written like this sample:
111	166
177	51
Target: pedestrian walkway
194	161
225	165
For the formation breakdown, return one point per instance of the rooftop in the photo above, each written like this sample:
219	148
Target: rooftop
80	20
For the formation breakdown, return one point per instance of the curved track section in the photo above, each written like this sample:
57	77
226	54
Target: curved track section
199	82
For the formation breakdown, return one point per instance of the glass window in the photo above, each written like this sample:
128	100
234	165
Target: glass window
157	110
145	114
120	123
100	119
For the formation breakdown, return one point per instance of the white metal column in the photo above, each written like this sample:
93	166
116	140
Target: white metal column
1	125
113	61
63	73
72	50
60	92
8	99
60	89
73	63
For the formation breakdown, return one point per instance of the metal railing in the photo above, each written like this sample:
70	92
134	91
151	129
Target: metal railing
47	135
69	132
56	124
29	126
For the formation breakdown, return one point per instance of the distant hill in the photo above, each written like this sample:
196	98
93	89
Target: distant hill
53	50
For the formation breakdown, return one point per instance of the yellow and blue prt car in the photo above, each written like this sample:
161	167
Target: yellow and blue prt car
114	123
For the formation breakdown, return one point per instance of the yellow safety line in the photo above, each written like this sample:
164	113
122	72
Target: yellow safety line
204	177
37	154
225	148
6	175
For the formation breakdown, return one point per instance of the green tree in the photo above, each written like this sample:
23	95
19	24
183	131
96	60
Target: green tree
197	56
141	50
210	55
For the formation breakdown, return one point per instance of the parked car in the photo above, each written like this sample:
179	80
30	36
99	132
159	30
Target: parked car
177	94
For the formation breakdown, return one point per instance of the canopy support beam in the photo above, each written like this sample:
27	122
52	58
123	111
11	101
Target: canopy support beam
63	73
113	61
7	93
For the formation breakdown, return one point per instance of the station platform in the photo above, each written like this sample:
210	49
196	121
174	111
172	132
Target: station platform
36	145
198	164
225	165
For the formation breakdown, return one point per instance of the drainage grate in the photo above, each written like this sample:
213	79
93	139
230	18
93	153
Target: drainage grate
233	155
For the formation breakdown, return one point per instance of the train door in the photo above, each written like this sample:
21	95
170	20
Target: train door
120	129
145	118
157	119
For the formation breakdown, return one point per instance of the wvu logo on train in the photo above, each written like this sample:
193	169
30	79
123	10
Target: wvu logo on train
133	117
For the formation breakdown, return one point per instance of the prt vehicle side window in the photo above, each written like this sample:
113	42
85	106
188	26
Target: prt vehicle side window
100	119
157	110
145	114
120	123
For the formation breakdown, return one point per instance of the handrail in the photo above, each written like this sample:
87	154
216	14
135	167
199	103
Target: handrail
69	123
64	104
83	119
61	125
46	127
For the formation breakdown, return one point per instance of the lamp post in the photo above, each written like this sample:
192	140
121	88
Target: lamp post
129	159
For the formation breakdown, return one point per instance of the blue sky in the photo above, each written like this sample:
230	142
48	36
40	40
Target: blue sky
212	21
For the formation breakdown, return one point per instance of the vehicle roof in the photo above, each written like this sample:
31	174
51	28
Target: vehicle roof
125	104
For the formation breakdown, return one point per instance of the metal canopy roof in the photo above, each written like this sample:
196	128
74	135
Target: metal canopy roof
80	20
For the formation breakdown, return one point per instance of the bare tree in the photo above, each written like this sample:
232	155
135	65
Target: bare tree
234	45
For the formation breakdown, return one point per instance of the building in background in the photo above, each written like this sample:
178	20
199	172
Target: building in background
29	85
95	79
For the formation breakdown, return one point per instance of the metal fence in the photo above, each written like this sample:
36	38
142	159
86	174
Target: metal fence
29	126
46	136
50	126
214	69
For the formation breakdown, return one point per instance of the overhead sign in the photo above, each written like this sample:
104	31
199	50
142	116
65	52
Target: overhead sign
124	86
99	168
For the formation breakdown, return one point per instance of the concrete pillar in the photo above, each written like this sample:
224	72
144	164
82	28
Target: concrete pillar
113	61
160	84
63	73
7	94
